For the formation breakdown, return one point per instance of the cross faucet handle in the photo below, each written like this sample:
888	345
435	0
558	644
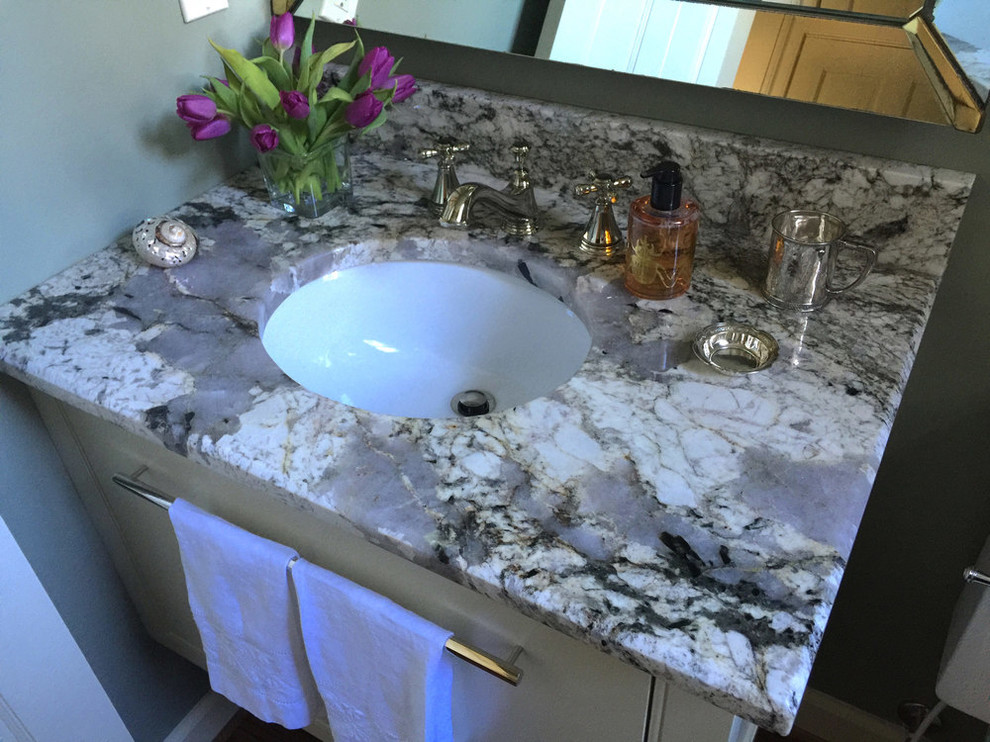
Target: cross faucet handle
520	175
602	184
602	235
519	150
445	150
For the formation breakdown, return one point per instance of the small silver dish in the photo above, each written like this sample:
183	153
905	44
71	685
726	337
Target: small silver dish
732	348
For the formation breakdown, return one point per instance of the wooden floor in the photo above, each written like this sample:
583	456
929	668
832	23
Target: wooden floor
795	736
246	728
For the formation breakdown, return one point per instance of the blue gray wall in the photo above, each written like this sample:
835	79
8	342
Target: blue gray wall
151	687
487	25
91	146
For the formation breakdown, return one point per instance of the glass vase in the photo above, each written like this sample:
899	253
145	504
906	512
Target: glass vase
310	184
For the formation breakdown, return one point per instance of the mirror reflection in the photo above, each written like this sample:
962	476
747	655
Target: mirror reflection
965	26
893	57
821	60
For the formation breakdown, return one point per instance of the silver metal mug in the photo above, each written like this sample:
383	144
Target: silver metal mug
804	249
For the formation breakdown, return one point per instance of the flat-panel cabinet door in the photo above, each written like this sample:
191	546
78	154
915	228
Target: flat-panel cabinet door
680	717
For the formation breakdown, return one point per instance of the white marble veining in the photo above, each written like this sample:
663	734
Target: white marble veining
694	524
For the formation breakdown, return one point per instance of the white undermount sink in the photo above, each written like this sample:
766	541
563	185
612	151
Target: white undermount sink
426	339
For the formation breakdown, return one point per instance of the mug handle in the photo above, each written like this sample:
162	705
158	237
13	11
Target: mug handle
871	260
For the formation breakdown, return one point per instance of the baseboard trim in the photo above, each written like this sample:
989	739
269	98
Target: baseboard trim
820	715
829	718
204	721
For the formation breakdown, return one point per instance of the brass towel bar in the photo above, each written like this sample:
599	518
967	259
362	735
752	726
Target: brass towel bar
972	574
502	669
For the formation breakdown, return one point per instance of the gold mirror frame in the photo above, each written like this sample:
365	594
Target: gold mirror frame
959	98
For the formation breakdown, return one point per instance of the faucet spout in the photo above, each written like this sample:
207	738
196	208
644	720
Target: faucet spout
518	210
515	203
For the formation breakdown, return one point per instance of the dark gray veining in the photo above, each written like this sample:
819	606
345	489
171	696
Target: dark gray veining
696	525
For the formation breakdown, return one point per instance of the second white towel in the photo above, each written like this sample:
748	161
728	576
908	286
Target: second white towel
382	670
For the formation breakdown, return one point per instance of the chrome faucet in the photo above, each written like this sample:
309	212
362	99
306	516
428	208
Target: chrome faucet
515	203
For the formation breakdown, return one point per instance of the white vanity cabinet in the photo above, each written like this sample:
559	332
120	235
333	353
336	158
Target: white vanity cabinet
569	690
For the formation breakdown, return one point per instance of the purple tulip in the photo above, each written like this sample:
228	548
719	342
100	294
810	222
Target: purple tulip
295	104
264	138
363	110
380	63
281	32
405	85
195	109
208	129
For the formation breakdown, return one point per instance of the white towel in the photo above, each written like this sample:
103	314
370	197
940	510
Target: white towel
240	596
382	670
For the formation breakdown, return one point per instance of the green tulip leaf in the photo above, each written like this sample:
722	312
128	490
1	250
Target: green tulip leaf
250	112
385	95
336	93
306	50
221	94
232	80
311	72
331	53
317	118
276	72
289	74
352	71
290	141
337	117
362	84
332	130
251	75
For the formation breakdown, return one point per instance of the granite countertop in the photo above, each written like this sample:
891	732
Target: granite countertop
694	524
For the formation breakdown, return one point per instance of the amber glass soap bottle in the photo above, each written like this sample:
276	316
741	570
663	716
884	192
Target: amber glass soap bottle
661	237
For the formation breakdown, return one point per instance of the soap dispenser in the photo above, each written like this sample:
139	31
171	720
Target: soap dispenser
660	240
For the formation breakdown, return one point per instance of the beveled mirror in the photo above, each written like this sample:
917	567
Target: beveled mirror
925	60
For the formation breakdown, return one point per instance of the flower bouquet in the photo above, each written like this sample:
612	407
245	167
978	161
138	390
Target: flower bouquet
299	123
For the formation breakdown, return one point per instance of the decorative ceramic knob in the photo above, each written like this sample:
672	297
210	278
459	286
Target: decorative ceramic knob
165	242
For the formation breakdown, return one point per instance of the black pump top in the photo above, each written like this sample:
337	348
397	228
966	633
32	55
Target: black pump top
665	195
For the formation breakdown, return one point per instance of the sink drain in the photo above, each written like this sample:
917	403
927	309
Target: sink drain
472	403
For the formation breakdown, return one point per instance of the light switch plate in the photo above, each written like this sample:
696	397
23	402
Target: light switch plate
193	9
339	10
